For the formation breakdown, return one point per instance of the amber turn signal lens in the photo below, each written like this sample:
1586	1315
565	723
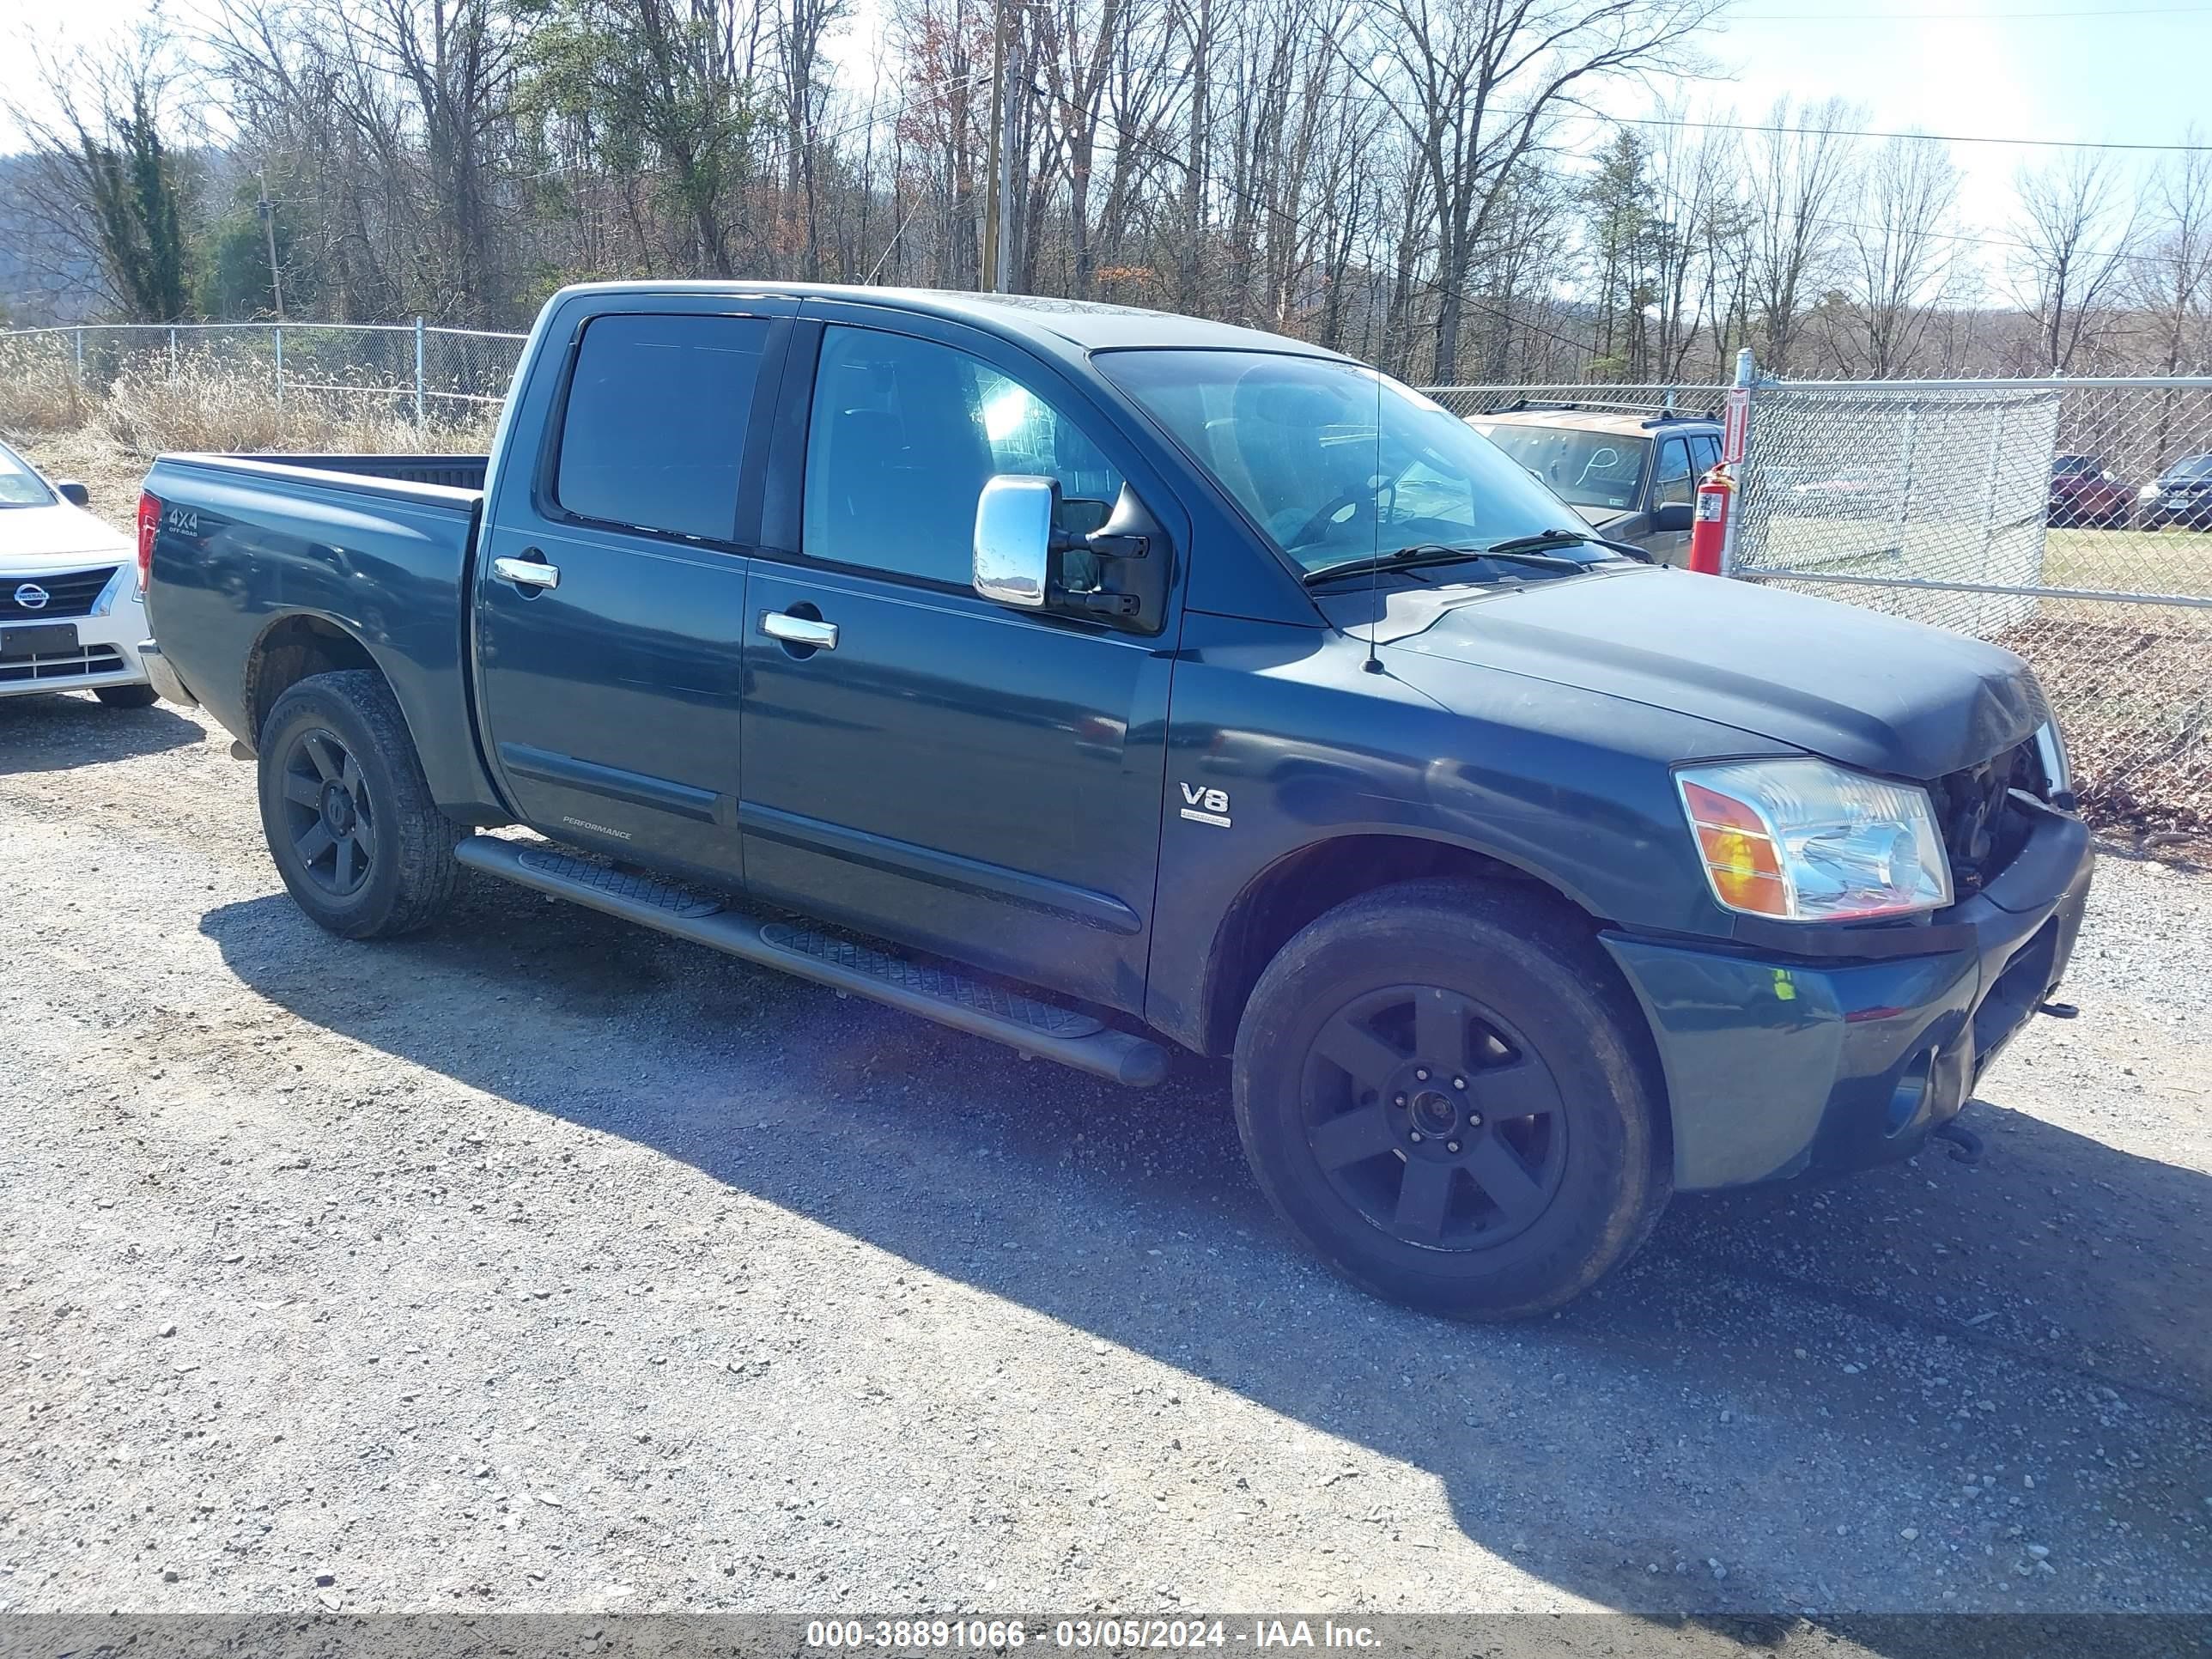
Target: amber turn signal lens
1745	865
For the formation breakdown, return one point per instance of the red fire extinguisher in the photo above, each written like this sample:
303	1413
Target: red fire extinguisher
1709	530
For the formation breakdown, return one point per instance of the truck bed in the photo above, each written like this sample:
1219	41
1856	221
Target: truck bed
365	549
448	472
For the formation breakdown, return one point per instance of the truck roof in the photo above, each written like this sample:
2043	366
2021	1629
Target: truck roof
1089	324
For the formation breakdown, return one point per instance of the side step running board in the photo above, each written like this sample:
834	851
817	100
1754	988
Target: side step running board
942	994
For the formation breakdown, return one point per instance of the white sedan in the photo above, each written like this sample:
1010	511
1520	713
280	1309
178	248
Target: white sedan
71	616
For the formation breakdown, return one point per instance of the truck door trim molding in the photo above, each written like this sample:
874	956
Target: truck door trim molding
965	875
637	788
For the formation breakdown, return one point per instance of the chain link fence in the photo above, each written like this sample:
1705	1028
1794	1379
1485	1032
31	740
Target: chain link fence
2070	521
1468	400
407	370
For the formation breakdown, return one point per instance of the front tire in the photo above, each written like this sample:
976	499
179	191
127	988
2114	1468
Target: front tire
361	846
127	696
1446	1093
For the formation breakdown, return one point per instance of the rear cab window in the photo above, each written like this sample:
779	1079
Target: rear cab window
653	433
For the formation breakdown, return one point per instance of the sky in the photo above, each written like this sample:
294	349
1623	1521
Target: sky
2124	71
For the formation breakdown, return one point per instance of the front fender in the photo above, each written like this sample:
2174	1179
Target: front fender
1299	745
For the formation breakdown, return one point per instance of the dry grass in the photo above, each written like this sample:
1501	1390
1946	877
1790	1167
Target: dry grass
208	404
2135	700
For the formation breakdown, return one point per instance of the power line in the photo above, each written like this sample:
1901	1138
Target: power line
1864	132
1575	111
1961	16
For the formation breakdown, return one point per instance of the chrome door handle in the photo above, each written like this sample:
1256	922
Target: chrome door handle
527	573
798	630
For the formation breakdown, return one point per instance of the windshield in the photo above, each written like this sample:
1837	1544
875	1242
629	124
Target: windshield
1589	469
1295	440
19	485
2193	466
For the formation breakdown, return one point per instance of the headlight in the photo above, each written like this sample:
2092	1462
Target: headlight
2057	770
1808	842
2148	492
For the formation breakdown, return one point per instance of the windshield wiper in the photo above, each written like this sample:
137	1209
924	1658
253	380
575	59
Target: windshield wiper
1567	539
1421	555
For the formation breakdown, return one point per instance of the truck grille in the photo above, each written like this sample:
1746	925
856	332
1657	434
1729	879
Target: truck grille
1974	814
74	665
69	593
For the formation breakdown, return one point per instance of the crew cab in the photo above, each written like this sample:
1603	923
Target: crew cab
1104	682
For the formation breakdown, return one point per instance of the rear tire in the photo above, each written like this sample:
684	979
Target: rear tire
361	846
127	696
1449	1095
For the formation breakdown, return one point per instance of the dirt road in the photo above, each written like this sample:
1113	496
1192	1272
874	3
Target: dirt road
538	1262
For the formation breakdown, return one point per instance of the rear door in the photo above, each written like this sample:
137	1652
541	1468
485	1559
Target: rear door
940	769
611	598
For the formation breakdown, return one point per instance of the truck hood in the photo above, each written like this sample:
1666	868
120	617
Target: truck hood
1854	686
34	540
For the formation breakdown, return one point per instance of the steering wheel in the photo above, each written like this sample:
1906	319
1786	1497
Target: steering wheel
1317	527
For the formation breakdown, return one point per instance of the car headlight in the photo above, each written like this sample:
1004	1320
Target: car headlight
2148	492
2057	770
1804	841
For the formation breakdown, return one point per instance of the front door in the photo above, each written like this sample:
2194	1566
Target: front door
922	762
1671	481
610	597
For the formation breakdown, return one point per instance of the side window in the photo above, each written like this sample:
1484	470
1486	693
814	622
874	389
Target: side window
654	431
903	436
1671	483
1704	454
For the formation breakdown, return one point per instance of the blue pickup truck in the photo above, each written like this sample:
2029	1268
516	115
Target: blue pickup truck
1101	682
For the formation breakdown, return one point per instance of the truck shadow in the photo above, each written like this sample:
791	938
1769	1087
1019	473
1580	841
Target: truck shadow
63	732
1820	1367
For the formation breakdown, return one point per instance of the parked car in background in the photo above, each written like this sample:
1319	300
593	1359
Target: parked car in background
2181	494
1633	476
2085	491
70	614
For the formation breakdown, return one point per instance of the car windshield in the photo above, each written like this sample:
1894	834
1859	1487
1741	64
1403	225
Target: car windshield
1334	461
1589	469
2194	466
2068	466
19	485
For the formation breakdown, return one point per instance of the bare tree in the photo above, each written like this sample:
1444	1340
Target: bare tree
1477	85
2173	281
2075	238
1901	253
107	177
1800	170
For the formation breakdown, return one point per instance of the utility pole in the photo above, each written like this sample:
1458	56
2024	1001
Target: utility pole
995	191
267	213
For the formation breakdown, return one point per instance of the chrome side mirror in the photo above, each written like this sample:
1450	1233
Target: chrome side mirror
1013	539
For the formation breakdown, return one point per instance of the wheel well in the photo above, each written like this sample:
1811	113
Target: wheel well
1295	891
288	653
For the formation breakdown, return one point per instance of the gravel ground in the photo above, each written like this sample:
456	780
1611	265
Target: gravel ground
540	1263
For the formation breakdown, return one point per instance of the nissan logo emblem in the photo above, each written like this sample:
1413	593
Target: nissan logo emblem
31	596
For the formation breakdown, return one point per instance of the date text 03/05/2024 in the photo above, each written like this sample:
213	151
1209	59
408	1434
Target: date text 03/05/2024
920	1635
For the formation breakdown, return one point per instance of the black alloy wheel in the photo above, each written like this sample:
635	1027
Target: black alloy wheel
329	813
1431	1116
